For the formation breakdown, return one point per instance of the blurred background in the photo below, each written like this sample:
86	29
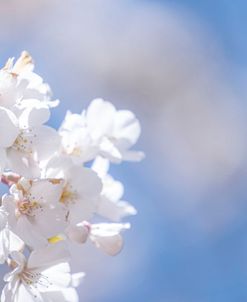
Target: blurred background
181	66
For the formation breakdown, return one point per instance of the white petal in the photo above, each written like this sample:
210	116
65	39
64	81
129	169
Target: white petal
100	115
57	166
49	256
25	230
22	164
28	294
59	274
81	210
112	189
126	127
133	155
77	279
3	218
65	295
108	229
8	127
72	121
9	291
115	211
9	205
46	191
4	245
46	142
50	222
34	115
101	166
15	243
85	181
109	150
20	261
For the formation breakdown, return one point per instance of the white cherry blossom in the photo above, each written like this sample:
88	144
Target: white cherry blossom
101	130
25	141
19	83
45	276
34	211
81	188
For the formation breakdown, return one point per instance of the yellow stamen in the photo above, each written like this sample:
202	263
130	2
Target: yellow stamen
55	239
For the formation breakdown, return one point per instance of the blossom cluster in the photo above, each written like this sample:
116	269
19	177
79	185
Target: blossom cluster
58	184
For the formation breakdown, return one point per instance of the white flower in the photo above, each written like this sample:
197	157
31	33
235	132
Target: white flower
110	204
101	130
44	277
105	236
81	188
34	211
19	83
25	141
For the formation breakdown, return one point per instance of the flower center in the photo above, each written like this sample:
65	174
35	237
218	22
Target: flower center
27	207
33	280
76	151
24	141
68	195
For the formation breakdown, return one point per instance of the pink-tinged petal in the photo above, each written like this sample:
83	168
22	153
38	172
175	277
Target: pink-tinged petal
106	237
77	233
9	127
110	245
